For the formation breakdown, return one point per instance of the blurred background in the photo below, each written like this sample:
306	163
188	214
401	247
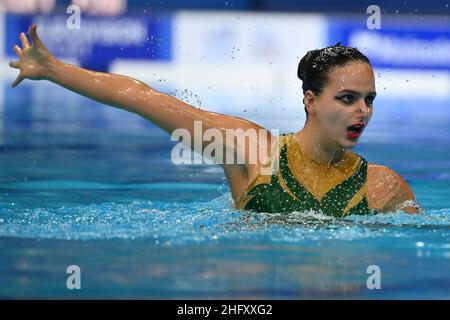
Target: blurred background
237	57
72	169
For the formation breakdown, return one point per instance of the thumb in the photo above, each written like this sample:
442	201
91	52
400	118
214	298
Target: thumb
18	80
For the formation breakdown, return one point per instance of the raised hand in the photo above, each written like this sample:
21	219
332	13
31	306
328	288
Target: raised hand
34	59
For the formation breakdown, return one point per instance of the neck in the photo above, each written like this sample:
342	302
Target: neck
312	143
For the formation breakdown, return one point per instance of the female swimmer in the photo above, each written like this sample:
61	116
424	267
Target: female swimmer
309	170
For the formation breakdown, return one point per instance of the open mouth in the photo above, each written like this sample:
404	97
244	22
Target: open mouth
354	131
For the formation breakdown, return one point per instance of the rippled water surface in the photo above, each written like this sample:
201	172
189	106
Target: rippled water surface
140	227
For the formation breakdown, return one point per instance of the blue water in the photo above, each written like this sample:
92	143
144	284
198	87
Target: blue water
104	195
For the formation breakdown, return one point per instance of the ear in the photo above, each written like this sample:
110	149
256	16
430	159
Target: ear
310	102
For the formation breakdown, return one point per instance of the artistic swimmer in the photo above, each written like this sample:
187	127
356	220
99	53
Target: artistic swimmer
312	169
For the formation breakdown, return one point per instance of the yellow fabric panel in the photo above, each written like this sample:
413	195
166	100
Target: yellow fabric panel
318	178
356	199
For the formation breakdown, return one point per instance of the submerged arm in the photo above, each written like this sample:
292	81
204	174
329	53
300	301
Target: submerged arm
389	192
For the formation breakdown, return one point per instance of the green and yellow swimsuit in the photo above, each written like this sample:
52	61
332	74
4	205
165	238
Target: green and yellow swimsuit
298	183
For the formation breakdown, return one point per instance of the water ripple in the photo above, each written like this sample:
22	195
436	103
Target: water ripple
169	223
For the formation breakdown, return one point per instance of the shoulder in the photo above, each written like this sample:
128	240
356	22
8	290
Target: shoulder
387	190
240	176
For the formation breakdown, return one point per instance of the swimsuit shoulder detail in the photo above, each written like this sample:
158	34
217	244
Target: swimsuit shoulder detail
295	182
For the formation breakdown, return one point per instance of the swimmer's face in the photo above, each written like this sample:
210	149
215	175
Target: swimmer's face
346	100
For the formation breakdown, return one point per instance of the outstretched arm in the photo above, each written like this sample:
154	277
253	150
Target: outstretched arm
168	113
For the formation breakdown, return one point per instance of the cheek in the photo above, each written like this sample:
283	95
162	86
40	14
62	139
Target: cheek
333	115
337	115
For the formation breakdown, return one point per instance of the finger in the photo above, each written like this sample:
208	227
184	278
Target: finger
33	34
14	64
17	50
24	40
18	80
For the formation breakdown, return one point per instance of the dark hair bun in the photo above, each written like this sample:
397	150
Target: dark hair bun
303	64
314	67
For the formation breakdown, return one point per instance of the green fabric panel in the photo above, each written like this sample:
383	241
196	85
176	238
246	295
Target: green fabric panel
361	208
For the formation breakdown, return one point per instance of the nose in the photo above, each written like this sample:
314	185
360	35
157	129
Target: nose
363	108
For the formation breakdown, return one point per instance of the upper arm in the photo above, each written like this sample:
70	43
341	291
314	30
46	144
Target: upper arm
243	143
388	191
170	114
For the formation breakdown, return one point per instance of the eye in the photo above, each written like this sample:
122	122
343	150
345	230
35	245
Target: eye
369	100
347	99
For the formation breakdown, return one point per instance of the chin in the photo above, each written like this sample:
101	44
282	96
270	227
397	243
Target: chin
349	144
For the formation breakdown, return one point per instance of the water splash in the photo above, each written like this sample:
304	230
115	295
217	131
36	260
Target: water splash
169	223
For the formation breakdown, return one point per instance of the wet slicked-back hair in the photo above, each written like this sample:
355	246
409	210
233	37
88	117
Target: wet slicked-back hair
314	68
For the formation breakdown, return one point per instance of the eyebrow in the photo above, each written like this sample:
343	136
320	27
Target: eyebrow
355	92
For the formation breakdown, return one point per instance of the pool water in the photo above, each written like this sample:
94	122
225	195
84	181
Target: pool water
109	200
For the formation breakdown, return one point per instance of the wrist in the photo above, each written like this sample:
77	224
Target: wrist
52	68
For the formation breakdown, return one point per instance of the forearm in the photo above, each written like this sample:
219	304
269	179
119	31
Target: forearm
111	89
129	94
